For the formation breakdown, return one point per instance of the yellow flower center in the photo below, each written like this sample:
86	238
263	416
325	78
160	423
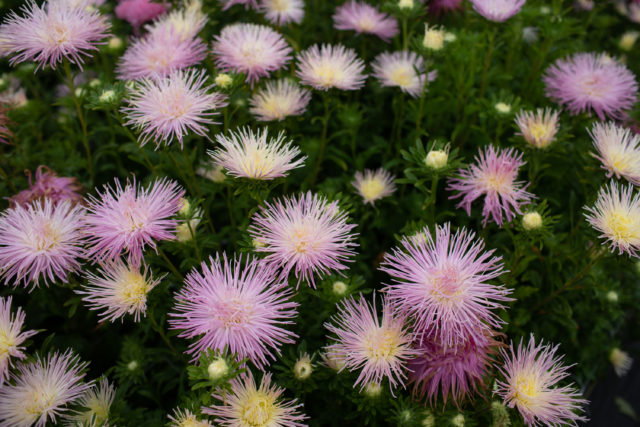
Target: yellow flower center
275	107
6	344
133	289
46	236
540	132
327	75
257	162
233	312
258	409
381	344
302	238
280	5
372	189
526	389
446	285
38	401
622	226
402	76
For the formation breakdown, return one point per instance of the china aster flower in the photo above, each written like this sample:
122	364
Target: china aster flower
40	241
226	4
255	155
278	100
443	284
48	185
11	336
538	129
365	19
185	23
493	176
531	376
235	305
126	220
51	33
402	69
497	10
438	7
185	418
255	50
306	234
95	405
616	215
41	390
587	82
137	12
618	150
378	347
251	405
374	185
281	12
169	108
326	67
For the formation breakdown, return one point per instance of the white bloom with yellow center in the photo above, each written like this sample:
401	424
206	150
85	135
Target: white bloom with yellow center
282	12
223	80
95	404
278	100
434	38
538	129
184	24
531	221
628	39
406	4
437	159
503	108
621	361
374	185
403	69
11	336
218	368
618	149
185	418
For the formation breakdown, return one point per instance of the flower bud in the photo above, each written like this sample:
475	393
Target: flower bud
218	369
436	159
340	288
531	221
223	80
303	368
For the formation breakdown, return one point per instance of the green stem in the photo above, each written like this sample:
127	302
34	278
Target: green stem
195	242
156	327
487	61
232	218
432	206
172	267
133	139
83	123
405	34
323	137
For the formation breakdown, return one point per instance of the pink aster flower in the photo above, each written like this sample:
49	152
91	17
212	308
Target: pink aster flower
137	12
365	19
378	347
538	128
443	284
588	82
51	33
40	241
374	185
167	109
226	4
237	305
531	376
41	391
326	67
281	12
11	336
48	185
126	220
438	7
618	150
402	69
255	50
249	404
497	10
306	234
278	100
493	175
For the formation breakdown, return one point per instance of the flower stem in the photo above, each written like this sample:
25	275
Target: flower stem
83	123
172	267
323	137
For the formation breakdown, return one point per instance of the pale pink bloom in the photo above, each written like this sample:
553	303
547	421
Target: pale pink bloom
95	405
403	69
278	100
497	10
185	23
493	176
137	12
185	418
365	19
538	129
40	241
48	185
281	12
618	150
226	4
11	337
374	185
326	67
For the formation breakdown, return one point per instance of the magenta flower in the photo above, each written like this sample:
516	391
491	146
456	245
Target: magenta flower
403	69
50	186
365	19
493	175
531	377
51	33
282	12
497	10
226	4
255	50
378	347
40	241
237	305
326	67
588	82
167	109
443	284
438	7
126	220
306	234
137	12
11	337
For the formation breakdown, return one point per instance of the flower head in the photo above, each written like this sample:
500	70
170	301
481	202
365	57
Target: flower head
96	404
493	175
497	10
326	67
403	69
618	149
588	82
365	19
278	100
538	129
137	12
621	361
40	241
185	418
185	23
50	186
126	220
245	154
255	50
281	12
532	221
438	7
303	368
11	336
531	376
434	38
374	185
235	305
306	234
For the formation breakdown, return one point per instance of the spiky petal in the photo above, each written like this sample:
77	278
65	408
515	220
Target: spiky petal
374	185
497	10
365	19
618	149
278	100
11	336
324	67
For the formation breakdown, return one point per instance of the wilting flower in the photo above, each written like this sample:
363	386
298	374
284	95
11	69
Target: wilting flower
235	305
255	50
588	82
497	10
130	218
443	284
616	215
378	347
184	418
618	150
326	67
306	234
374	185
226	4
169	108
40	241
621	361
118	289
250	405
531	375
11	336
245	154
137	12
51	33
538	129
40	390
493	175
96	404
281	12
365	19
402	69
48	185
303	367
278	100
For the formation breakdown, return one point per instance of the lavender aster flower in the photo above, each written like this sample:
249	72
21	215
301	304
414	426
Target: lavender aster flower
618	150
48	184
497	10
281	12
326	67
365	19
278	100
11	337
402	69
